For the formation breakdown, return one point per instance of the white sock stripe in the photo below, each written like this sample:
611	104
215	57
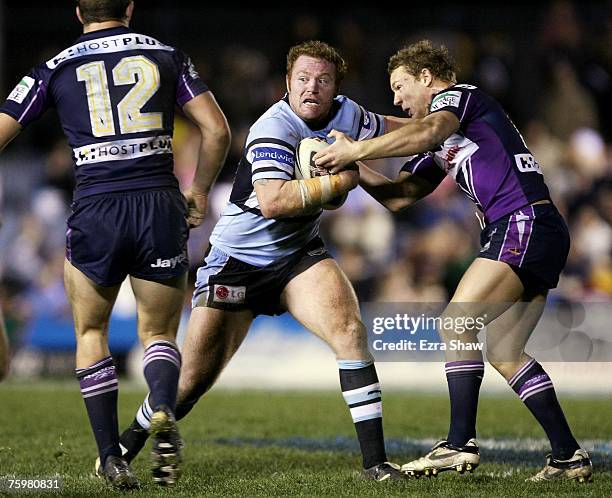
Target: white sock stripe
90	395
366	412
166	351
520	372
360	390
98	386
143	419
159	356
465	368
536	389
147	407
374	393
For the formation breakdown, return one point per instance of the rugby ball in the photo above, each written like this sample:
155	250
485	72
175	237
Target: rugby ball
305	167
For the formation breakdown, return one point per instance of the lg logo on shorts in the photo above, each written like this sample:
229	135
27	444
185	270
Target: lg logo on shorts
229	294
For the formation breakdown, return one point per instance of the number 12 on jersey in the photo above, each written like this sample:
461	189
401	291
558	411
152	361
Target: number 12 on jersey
135	70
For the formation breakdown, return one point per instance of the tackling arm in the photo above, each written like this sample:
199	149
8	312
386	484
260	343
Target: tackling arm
414	137
283	199
396	195
206	114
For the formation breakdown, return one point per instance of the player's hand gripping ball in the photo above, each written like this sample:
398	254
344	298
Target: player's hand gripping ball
306	168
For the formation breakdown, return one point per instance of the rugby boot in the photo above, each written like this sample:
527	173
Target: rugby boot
117	472
385	471
445	456
578	468
166	449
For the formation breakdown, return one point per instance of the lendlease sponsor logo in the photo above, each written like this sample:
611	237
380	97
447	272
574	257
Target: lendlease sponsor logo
272	154
120	150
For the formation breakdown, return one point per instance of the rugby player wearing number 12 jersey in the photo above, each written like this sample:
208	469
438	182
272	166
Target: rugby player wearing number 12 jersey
115	93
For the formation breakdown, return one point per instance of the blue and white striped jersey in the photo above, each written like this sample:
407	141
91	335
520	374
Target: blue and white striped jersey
269	153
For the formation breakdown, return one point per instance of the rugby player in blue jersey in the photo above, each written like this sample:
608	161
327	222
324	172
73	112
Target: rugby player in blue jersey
457	129
115	93
266	257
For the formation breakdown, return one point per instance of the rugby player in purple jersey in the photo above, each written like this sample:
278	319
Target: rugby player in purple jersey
115	93
457	129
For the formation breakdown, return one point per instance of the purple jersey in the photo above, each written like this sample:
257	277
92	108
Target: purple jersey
115	92
487	156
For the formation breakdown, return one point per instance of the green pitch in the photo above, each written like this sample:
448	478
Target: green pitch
295	444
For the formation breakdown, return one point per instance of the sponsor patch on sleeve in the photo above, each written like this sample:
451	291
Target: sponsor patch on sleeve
446	99
22	89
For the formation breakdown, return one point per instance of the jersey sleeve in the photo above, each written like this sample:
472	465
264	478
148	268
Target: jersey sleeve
189	84
457	99
29	99
424	166
371	125
271	151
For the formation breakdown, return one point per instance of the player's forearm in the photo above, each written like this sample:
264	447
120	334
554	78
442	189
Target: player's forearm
394	195
411	138
212	155
303	197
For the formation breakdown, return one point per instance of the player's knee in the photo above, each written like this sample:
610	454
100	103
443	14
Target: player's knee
347	334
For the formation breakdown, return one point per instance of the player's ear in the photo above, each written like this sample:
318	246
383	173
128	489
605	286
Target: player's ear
129	11
426	77
287	84
79	16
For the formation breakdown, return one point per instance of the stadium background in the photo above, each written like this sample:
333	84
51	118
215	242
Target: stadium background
549	64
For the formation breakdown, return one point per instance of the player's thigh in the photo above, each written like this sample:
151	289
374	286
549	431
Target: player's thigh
213	337
159	305
486	290
323	300
91	303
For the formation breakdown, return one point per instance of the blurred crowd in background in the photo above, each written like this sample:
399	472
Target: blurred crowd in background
550	65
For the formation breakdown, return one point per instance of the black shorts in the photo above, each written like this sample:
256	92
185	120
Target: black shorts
229	284
533	240
142	233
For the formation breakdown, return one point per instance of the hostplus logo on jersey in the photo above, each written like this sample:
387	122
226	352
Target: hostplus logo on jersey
120	150
109	44
170	263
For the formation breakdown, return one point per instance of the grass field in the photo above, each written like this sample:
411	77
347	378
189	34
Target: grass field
295	444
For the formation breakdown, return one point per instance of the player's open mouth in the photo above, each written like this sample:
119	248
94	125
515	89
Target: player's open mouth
408	113
310	103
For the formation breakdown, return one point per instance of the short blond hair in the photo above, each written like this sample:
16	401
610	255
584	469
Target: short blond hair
421	55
